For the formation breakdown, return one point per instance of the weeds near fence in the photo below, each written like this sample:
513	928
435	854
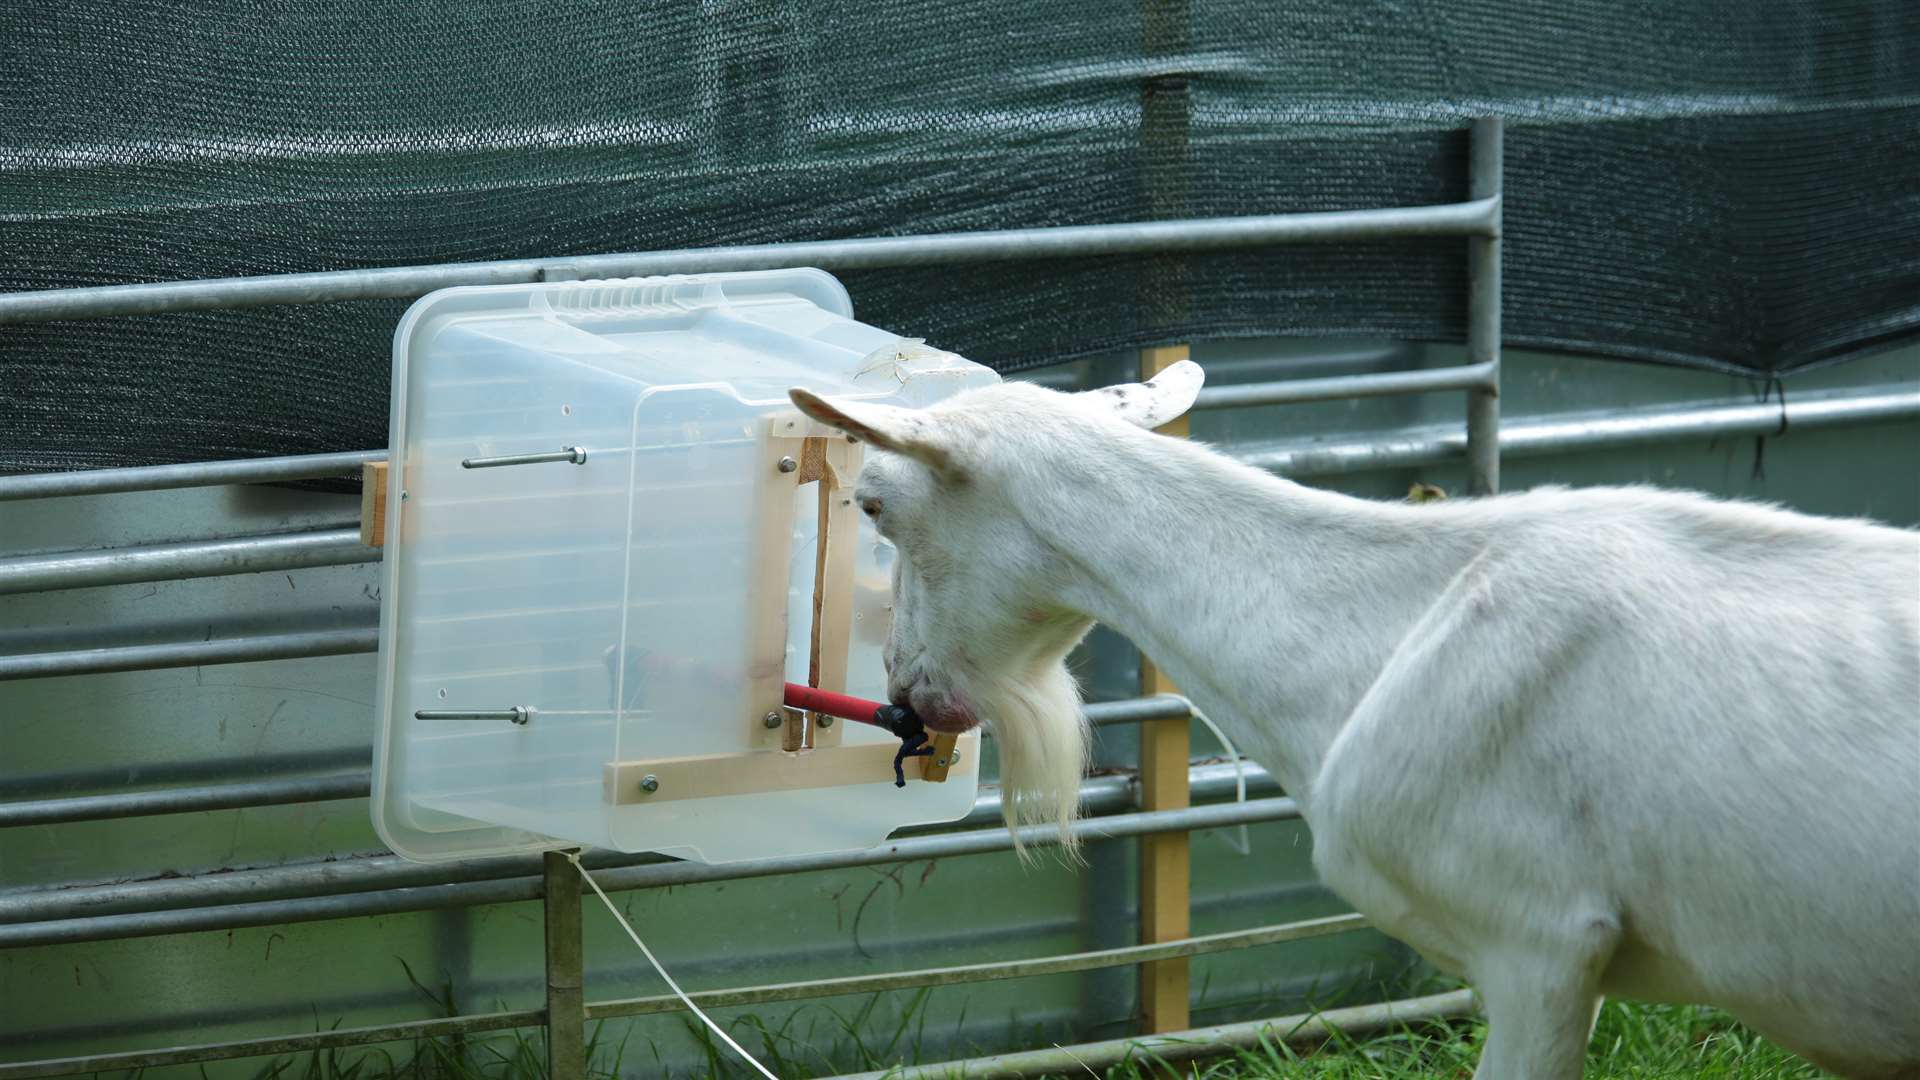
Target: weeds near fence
1632	1041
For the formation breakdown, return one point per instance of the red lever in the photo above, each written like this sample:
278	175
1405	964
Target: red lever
899	721
843	706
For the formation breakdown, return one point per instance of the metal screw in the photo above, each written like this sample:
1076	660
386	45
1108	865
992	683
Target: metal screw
823	720
649	783
522	714
787	464
403	496
951	759
772	720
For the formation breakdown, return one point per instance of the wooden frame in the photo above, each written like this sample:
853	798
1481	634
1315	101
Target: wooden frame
800	451
706	776
796	451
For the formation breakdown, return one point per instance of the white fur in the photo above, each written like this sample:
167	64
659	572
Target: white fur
1565	743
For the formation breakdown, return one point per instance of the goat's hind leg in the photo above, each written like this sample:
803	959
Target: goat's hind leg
1541	1008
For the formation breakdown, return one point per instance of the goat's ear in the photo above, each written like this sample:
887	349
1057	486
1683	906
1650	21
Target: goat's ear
1162	400
903	431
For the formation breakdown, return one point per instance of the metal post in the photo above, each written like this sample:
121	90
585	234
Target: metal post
1483	311
566	979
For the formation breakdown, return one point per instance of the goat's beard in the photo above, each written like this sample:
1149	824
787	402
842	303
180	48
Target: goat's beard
1042	738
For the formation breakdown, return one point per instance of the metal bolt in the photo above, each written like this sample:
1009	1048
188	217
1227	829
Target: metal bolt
823	720
772	720
952	758
787	464
522	714
649	783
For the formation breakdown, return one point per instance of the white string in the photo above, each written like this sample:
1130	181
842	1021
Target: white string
574	858
1245	846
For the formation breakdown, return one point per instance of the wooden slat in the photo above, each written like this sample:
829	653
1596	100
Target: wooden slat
1165	866
707	776
835	560
767	593
935	766
373	503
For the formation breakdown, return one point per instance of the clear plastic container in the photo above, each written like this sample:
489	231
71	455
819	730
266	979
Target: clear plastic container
614	600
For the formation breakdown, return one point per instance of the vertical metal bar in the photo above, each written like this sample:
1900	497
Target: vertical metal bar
1165	859
1483	311
566	979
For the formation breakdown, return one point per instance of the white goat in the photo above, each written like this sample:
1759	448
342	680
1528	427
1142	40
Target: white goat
1564	743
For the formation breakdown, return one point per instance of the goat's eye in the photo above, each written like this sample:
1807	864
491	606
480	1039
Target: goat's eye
870	506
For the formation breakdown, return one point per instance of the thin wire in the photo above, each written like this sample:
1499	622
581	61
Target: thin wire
574	858
1239	773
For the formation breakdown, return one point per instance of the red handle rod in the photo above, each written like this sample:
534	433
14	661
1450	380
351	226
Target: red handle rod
843	706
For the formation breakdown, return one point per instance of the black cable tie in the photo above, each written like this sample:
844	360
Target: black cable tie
911	745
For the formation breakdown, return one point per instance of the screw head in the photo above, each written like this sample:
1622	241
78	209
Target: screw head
953	758
772	720
823	720
649	783
787	464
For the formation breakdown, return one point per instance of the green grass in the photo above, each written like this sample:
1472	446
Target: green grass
1631	1041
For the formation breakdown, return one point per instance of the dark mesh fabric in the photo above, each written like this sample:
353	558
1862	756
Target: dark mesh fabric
1713	183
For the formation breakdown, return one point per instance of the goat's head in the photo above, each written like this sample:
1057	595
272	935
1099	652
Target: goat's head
981	620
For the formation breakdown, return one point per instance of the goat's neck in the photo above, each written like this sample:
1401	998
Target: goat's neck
1271	605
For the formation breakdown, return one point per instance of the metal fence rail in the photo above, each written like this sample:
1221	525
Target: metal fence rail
1478	217
191	474
1099	795
1483	376
239	650
358	785
1417	448
617	878
184	800
1572	434
185	559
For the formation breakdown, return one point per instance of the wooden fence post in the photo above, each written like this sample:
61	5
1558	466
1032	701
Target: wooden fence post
1165	750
